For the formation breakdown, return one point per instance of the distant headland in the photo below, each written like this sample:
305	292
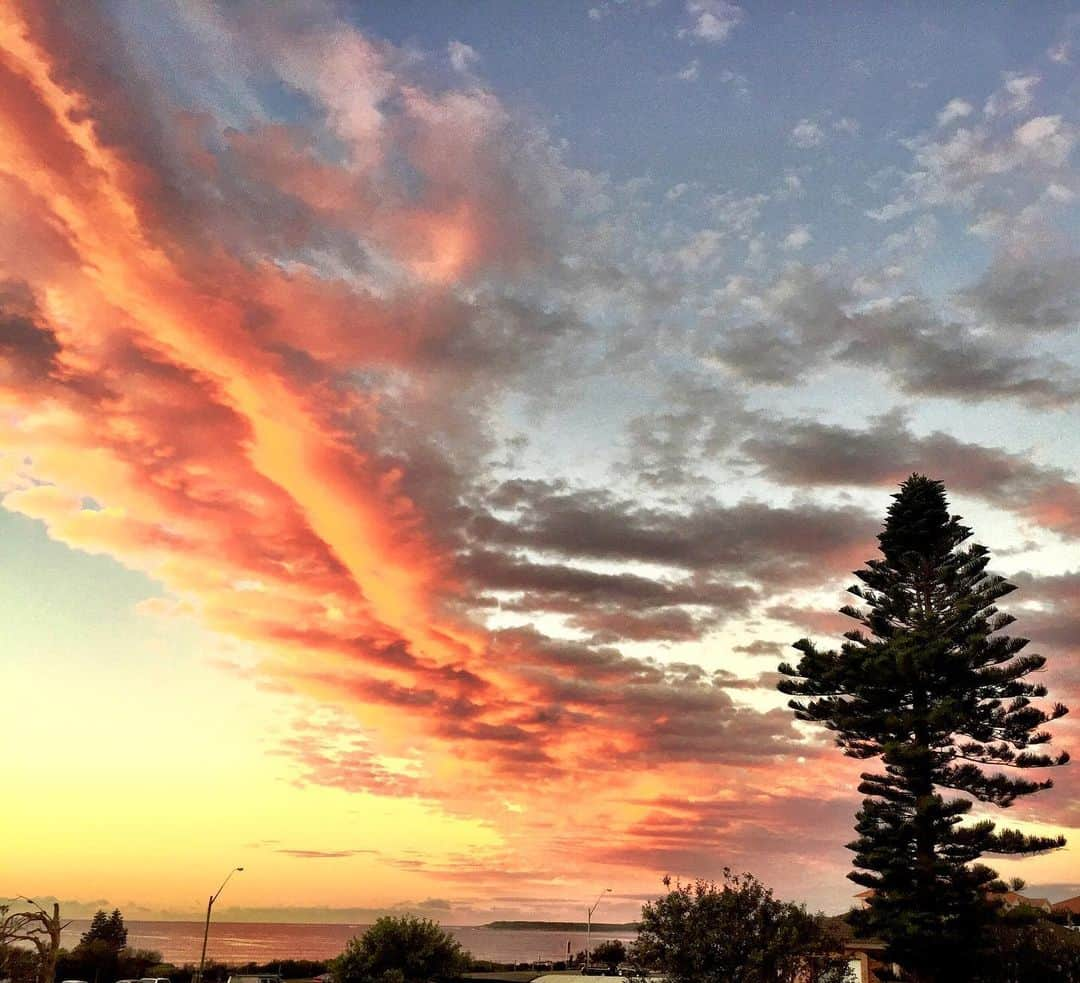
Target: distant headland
562	926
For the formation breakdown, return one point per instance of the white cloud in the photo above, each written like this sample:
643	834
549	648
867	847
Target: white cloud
792	186
954	109
740	83
1014	96
607	7
954	170
1046	138
713	20
798	238
916	239
806	134
989	224
755	253
691	71
1059	53
738	214
1059	193
703	248
462	56
896	208
845	124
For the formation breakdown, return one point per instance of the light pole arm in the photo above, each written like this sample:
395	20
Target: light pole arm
223	883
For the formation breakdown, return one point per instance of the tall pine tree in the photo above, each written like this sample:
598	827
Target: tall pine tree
929	686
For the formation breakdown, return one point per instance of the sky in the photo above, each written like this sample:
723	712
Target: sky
424	428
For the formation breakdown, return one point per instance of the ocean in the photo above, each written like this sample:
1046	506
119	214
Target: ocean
240	942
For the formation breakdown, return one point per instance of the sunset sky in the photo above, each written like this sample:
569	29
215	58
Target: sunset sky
424	427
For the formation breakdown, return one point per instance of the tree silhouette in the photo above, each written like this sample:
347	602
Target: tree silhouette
930	686
735	930
403	949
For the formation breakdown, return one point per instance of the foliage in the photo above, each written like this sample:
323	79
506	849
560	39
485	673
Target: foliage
929	685
403	949
108	931
609	953
290	969
1027	947
134	964
736	930
96	961
17	963
102	955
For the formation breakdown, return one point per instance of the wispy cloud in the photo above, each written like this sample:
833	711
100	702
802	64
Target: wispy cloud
712	21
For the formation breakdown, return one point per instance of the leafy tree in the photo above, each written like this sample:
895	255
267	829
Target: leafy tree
109	930
735	931
134	964
97	957
402	949
1024	946
929	685
609	953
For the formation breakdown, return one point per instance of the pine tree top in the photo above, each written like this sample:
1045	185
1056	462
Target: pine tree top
918	523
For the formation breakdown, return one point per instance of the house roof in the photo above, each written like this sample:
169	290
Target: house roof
1069	904
1015	898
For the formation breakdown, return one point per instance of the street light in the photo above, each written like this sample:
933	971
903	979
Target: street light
588	925
206	930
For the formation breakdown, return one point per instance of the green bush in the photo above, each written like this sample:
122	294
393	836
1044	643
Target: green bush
402	949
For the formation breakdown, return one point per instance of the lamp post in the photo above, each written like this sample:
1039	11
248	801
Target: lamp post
588	925
206	930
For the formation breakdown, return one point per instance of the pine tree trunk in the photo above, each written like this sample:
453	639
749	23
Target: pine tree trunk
922	784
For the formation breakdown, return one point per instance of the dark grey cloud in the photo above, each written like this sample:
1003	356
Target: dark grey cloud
665	712
926	355
1055	624
609	606
812	320
1028	295
761	646
747	541
698	423
611	625
807	452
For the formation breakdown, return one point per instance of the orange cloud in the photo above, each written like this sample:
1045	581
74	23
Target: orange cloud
191	419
